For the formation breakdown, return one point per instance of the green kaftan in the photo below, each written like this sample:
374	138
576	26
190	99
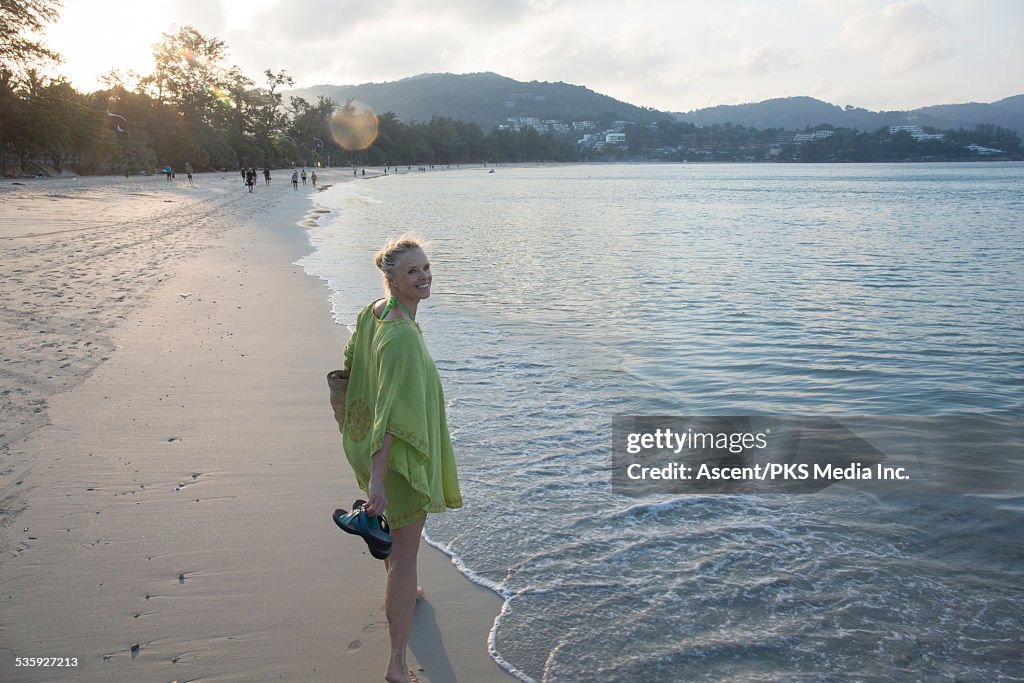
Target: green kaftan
394	388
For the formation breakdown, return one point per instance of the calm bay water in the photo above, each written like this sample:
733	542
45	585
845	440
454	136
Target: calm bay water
566	295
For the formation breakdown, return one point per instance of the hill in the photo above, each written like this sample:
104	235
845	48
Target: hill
489	99
796	113
486	99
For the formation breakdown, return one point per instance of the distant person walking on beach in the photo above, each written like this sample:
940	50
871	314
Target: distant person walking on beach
295	180
395	432
168	171
244	179
266	175
188	172
303	176
250	179
312	178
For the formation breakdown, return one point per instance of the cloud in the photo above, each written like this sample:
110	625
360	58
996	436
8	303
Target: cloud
632	62
906	35
479	12
758	61
834	7
407	50
720	32
297	23
630	51
206	16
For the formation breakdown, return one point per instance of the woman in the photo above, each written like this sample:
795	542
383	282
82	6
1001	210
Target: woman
396	437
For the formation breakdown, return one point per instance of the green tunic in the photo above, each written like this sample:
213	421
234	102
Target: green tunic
394	388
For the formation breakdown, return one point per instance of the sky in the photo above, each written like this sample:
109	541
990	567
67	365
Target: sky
672	55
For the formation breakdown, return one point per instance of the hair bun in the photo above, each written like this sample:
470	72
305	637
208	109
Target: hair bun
387	258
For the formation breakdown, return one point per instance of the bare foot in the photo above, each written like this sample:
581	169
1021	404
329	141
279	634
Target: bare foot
393	676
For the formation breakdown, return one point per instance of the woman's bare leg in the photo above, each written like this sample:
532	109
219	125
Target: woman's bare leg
419	589
400	598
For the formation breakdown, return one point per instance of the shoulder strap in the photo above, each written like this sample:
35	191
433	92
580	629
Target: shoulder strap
391	304
384	313
407	312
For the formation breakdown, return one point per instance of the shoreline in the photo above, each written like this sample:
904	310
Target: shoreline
477	165
166	509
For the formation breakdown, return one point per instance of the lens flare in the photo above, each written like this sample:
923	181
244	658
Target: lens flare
223	97
354	126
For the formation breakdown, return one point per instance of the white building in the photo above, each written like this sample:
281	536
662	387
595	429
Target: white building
984	151
916	133
815	135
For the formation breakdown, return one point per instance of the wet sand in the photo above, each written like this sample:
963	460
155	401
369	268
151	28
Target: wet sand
168	458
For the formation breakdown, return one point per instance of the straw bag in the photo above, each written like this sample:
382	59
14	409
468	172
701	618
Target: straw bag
339	388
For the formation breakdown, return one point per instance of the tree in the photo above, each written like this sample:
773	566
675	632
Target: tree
190	73
46	121
18	18
272	120
988	135
310	132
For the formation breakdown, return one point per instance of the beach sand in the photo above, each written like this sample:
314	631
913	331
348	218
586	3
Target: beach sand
168	458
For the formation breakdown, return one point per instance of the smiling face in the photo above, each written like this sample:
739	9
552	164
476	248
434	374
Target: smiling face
410	279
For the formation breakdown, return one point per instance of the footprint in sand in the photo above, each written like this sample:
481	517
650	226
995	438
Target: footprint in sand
355	645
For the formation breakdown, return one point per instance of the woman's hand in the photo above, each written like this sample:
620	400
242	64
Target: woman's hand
377	501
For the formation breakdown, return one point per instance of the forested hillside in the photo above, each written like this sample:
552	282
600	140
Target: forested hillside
485	99
795	113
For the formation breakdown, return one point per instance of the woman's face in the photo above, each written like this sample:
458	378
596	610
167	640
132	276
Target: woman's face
411	278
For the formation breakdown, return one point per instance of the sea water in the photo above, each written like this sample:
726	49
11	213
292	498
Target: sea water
565	295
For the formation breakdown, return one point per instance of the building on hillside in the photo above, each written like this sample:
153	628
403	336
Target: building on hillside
916	132
984	151
800	138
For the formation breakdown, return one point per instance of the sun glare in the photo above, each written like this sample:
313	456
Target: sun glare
95	36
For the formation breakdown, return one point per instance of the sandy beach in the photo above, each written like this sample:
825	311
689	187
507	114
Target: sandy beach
168	458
